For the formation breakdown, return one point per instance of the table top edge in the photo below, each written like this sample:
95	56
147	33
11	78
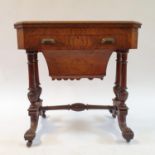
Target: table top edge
23	24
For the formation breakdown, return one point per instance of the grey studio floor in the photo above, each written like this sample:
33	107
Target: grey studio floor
75	133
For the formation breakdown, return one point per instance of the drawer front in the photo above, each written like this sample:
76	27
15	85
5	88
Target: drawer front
81	42
76	42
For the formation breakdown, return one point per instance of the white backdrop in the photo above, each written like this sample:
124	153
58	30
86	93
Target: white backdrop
70	132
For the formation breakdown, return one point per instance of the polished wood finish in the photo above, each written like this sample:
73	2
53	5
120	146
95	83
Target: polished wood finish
74	50
76	35
77	64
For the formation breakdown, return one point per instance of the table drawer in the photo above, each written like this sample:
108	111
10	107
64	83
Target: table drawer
76	42
81	42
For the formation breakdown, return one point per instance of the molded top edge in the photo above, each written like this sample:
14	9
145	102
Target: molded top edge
29	24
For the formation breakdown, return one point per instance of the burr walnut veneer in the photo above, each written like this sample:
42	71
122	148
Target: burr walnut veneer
74	50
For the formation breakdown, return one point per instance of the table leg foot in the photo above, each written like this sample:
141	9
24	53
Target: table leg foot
43	113
113	112
29	136
34	117
29	143
128	134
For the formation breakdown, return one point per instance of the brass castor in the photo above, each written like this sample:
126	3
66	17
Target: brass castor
29	143
43	114
113	112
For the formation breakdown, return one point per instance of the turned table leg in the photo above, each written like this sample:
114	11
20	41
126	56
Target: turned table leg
33	95
116	88
121	96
